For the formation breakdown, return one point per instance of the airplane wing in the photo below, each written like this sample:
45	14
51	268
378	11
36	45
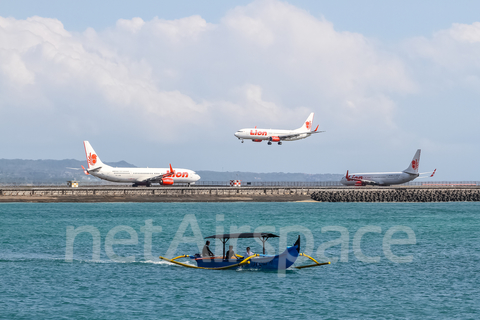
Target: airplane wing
297	134
162	176
363	181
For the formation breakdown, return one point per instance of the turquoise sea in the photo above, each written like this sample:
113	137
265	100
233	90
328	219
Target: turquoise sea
43	274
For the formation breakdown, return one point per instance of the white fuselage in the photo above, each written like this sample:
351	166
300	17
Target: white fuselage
140	175
266	134
380	178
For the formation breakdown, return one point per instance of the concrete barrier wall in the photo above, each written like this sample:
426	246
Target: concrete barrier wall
93	194
155	191
179	194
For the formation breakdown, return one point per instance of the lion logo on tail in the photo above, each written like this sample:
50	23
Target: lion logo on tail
415	164
92	159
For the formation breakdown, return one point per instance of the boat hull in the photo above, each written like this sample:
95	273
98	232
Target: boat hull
265	262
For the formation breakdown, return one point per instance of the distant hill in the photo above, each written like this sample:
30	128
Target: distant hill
57	172
36	172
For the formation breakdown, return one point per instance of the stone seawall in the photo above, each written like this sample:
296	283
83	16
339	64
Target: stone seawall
155	194
402	194
228	194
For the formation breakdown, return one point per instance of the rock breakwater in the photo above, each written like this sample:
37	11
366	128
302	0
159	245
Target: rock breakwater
397	195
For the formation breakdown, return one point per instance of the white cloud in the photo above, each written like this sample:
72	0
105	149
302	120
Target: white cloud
456	50
268	62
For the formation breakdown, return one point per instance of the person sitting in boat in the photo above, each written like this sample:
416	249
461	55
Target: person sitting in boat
248	253
206	252
230	254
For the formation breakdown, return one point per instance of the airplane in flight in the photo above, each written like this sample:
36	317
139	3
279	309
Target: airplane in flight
387	178
137	176
277	135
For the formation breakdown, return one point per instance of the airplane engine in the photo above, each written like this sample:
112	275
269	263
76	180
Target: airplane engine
166	181
359	184
275	139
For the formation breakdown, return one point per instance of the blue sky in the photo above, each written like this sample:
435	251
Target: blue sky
154	82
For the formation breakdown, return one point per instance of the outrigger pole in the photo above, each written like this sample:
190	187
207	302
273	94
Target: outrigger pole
244	261
311	265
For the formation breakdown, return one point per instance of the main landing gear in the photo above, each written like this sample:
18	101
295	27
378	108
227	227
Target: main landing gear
279	143
148	184
270	143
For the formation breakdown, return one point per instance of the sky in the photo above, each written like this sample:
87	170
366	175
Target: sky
159	82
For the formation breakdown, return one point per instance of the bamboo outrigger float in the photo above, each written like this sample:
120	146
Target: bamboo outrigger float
257	261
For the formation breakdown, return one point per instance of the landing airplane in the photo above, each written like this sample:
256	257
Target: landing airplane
139	176
276	135
387	178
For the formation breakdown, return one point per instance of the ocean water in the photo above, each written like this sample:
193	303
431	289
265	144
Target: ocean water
391	260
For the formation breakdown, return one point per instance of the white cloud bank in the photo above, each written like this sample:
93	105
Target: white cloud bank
266	63
256	61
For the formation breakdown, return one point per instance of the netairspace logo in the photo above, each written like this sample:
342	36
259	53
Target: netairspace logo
148	229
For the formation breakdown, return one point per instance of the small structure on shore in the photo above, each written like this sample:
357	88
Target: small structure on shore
72	184
235	183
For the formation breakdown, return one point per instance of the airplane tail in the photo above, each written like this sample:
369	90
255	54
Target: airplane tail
92	159
307	126
413	167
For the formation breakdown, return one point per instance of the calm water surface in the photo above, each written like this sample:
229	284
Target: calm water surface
442	281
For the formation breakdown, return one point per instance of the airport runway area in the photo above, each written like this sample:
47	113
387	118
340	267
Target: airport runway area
247	194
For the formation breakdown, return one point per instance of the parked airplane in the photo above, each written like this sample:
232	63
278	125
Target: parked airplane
137	176
276	135
386	178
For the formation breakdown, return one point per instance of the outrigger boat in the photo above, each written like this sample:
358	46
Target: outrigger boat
257	261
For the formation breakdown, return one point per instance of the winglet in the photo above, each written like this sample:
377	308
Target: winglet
171	169
85	171
433	172
316	128
347	177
